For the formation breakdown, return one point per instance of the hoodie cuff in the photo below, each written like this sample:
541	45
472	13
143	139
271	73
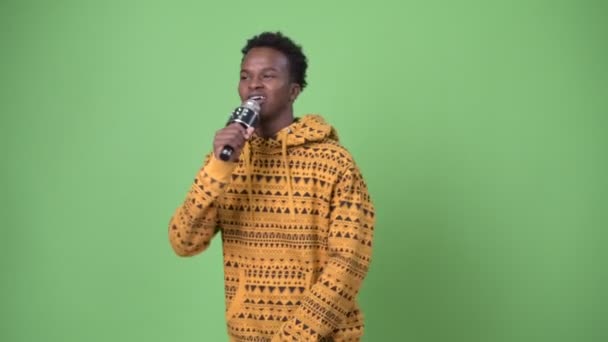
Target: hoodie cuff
219	169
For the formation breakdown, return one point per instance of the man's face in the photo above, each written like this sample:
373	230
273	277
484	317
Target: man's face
265	72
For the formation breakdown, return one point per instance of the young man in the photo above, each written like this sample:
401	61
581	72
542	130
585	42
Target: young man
293	209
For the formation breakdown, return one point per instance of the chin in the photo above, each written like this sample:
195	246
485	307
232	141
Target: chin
265	113
264	116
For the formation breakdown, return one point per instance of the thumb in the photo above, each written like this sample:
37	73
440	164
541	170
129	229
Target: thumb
249	132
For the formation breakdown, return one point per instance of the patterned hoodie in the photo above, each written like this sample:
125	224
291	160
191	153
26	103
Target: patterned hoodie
296	223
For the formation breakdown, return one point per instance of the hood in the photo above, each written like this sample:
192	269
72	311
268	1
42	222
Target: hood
309	128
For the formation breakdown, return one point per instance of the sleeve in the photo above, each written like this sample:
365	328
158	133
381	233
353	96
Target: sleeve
194	223
333	295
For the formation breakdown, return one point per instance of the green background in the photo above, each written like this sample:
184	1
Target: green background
480	126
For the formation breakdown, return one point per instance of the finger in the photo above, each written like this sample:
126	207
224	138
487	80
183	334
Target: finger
236	126
236	143
230	140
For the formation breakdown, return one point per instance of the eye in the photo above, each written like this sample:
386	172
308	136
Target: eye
244	77
268	76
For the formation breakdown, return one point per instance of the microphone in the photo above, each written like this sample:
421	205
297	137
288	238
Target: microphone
247	116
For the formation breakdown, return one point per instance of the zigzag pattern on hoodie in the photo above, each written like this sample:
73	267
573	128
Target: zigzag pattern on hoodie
296	222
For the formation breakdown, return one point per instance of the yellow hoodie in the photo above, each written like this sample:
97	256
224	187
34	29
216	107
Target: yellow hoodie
296	222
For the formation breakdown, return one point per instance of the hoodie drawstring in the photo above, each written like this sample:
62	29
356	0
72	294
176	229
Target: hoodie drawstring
283	138
247	164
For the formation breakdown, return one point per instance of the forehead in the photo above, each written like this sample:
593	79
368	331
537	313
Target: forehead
264	58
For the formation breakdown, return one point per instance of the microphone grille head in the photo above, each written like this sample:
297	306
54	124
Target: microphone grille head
252	104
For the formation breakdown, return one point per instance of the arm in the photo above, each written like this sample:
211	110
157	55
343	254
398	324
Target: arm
194	223
333	295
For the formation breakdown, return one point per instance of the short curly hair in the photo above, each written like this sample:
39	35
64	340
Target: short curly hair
298	62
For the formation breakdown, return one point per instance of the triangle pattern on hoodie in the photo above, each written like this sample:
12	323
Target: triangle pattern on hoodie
296	224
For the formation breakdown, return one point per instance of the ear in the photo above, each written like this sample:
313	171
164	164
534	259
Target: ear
294	91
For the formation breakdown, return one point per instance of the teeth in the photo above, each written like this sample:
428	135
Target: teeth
257	98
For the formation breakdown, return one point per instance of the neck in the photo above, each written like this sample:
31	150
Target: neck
271	126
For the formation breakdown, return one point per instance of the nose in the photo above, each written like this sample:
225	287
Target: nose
255	83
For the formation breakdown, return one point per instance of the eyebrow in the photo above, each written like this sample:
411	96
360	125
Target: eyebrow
264	69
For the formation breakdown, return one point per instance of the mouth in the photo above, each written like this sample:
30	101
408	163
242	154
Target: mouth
258	98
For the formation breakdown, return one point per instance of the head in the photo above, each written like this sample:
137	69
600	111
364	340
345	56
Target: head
273	67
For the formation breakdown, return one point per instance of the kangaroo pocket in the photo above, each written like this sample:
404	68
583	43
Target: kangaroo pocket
267	295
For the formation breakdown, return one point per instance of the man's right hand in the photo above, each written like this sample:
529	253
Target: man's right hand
233	135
